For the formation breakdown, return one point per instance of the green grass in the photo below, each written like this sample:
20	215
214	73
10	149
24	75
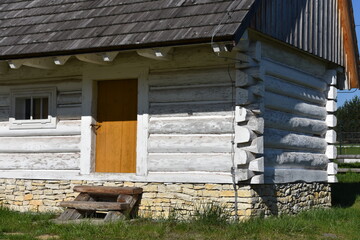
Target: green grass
316	224
348	149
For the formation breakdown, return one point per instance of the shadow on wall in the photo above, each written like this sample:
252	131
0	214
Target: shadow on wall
344	194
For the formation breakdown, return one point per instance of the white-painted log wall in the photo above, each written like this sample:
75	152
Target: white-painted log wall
190	120
43	149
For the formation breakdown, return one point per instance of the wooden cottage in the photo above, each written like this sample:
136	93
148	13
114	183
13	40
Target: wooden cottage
195	101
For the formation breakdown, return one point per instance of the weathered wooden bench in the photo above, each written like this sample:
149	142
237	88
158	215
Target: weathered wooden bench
115	201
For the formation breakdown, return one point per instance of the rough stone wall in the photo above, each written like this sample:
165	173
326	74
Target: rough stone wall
159	200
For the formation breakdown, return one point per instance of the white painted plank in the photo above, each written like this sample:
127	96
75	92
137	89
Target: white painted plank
281	157
191	126
198	177
188	94
189	77
291	105
210	143
40	161
190	162
275	138
63	128
39	144
291	122
282	87
293	75
332	93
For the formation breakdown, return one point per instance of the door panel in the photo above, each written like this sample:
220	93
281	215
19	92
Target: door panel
116	126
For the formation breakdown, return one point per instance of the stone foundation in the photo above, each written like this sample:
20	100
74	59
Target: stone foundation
161	199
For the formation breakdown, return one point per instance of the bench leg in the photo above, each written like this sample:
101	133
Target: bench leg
114	216
70	214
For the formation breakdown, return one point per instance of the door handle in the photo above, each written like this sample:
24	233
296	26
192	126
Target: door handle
95	127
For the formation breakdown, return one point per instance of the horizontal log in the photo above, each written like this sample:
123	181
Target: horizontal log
285	88
188	94
68	98
242	157
330	136
243	134
275	138
331	106
40	161
332	93
295	106
280	157
4	113
189	162
256	146
191	125
52	144
189	143
293	75
63	128
275	175
69	112
95	206
292	122
108	190
331	152
191	109
331	120
4	100
332	168
188	77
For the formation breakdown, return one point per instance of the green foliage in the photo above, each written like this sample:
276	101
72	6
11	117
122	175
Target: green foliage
211	214
348	116
349	177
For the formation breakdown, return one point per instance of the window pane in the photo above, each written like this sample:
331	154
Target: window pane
22	108
36	113
40	108
45	108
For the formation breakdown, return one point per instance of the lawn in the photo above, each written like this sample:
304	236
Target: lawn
341	222
349	149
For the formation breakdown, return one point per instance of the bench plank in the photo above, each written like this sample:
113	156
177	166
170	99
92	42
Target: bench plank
108	190
95	206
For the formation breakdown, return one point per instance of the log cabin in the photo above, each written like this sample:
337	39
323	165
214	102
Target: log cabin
195	101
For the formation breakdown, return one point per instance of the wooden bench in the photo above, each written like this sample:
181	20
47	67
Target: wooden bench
115	201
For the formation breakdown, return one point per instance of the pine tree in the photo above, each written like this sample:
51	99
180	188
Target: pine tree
348	116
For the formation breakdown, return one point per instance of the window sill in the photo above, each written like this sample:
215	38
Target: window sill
33	124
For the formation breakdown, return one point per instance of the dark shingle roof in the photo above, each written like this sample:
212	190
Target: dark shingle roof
50	27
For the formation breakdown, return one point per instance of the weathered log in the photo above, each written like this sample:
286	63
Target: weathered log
282	87
295	106
95	206
288	140
108	190
281	157
292	122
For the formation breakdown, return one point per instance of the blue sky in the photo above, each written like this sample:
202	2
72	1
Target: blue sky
344	95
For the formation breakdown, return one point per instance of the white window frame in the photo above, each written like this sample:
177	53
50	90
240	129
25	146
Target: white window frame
50	122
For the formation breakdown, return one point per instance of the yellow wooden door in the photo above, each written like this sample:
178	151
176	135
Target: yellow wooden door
116	126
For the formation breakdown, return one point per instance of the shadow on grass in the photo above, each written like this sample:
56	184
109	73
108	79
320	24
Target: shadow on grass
344	194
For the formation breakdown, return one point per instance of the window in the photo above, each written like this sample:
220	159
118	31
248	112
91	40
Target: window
33	108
